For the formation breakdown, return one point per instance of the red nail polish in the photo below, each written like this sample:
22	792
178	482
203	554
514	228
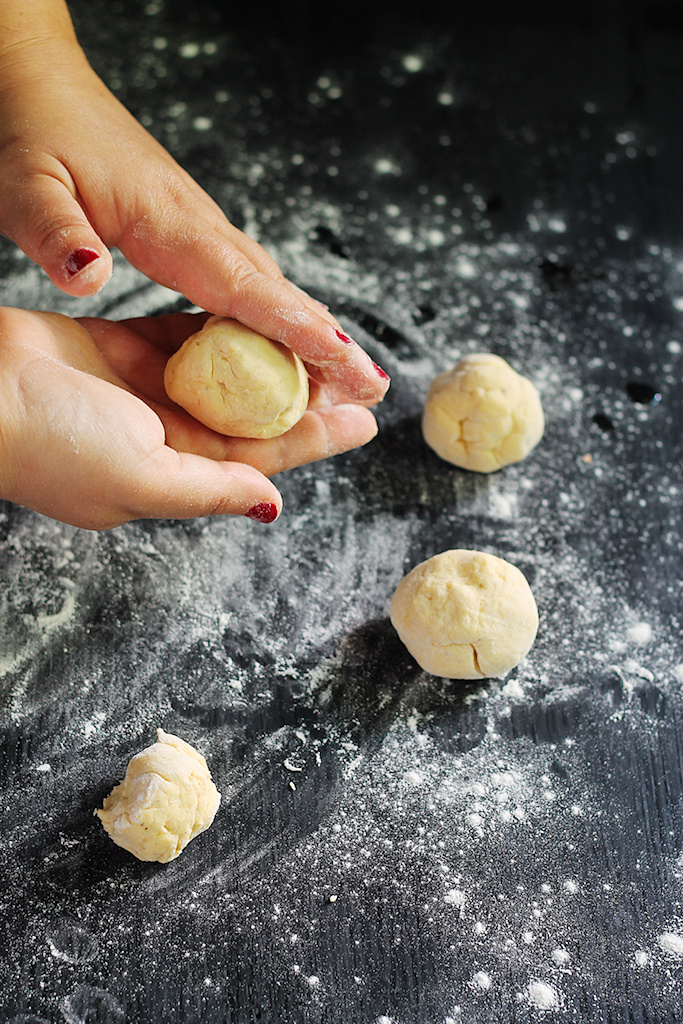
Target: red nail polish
264	512
381	373
344	337
78	259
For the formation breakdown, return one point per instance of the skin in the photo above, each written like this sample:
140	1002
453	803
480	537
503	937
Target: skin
89	437
78	173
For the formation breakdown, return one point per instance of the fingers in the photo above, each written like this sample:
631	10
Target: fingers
266	265
41	215
318	435
323	431
97	177
215	275
179	485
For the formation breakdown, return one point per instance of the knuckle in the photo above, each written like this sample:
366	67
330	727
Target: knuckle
52	233
241	277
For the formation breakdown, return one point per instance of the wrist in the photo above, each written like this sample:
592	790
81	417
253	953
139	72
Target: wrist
36	62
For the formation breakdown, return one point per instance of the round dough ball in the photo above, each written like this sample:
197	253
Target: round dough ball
482	414
237	382
465	615
165	800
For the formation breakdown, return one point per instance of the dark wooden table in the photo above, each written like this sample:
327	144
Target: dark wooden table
391	848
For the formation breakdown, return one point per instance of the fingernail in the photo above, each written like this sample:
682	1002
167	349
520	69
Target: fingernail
381	373
264	512
344	337
78	260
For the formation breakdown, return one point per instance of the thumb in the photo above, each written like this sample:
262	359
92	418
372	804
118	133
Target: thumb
180	485
45	220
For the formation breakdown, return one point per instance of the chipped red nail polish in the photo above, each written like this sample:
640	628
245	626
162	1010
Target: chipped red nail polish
264	512
78	260
344	337
381	373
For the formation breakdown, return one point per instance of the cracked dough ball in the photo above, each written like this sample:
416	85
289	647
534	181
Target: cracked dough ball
165	800
482	414
465	615
237	382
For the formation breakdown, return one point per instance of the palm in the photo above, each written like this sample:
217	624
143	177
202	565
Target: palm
99	442
137	351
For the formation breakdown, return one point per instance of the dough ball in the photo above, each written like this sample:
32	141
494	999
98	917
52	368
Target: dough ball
237	382
465	615
482	414
165	800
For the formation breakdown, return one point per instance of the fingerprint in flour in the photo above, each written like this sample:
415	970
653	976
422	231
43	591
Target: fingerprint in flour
71	943
88	1004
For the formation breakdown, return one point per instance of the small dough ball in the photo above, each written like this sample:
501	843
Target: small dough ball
165	800
465	615
482	414
237	382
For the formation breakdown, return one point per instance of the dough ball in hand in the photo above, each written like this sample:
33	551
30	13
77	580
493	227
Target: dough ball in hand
237	382
465	615
482	414
166	799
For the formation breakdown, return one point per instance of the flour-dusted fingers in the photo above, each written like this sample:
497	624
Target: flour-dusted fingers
318	435
265	263
75	183
138	349
206	267
323	431
319	396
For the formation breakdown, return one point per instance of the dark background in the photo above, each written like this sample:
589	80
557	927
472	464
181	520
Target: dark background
449	178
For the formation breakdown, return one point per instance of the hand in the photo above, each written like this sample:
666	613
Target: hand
78	174
89	437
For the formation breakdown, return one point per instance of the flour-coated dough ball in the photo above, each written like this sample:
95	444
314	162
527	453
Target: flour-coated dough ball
237	382
166	799
465	615
482	414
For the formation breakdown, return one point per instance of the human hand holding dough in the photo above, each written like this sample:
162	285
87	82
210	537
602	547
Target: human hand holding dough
237	382
465	615
482	415
166	799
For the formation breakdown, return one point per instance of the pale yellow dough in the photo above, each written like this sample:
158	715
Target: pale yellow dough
465	615
482	415
166	799
237	382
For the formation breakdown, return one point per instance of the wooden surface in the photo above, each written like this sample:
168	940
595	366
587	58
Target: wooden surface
391	847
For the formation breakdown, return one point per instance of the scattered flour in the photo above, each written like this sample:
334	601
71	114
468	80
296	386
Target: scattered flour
543	996
671	942
454	785
640	633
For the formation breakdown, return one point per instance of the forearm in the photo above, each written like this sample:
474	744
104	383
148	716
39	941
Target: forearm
24	22
33	32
